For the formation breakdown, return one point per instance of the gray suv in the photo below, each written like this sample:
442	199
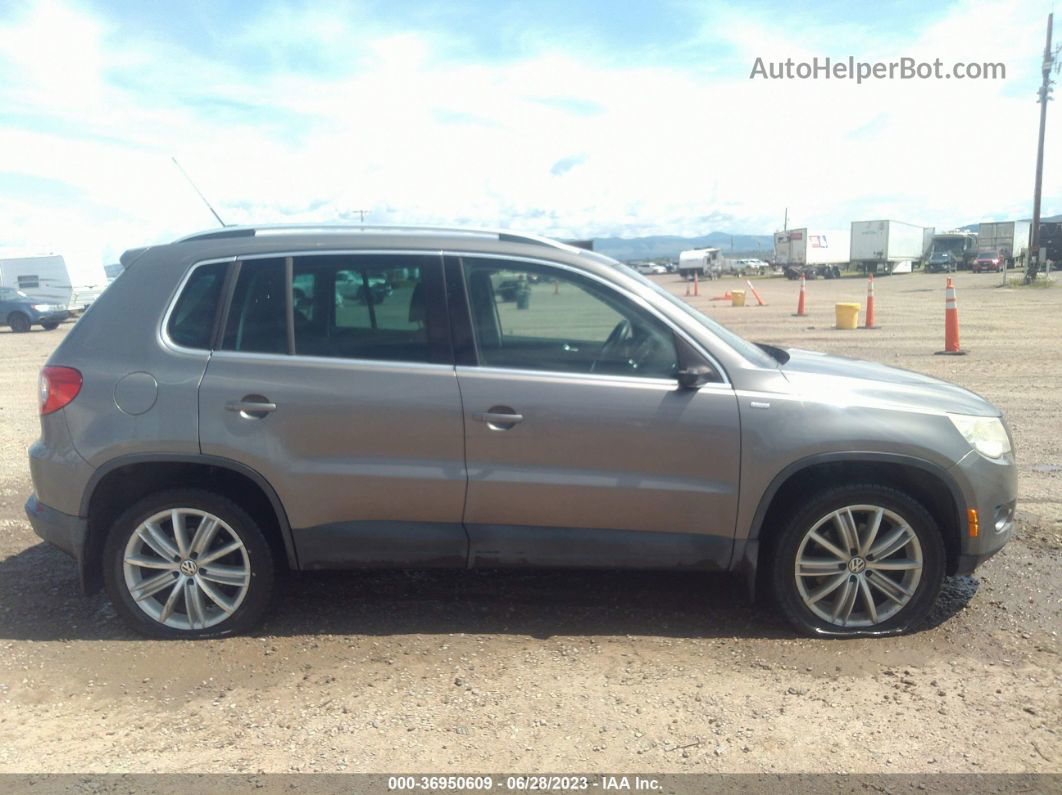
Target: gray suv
252	399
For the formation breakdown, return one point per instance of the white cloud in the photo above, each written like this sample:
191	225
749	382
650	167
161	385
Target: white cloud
394	128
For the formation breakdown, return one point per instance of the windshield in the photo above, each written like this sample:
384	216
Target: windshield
952	245
738	343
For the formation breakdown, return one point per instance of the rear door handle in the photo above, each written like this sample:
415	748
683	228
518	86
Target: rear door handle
252	407
499	418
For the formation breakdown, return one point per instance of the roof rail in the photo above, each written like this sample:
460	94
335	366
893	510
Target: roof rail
296	229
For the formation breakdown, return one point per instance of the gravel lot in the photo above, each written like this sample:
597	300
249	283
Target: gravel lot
572	671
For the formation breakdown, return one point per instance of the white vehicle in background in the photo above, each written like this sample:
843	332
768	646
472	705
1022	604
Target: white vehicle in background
650	268
812	252
88	283
705	262
752	267
887	246
1006	240
43	278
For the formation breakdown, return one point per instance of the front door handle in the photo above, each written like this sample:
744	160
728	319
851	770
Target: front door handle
252	407
499	418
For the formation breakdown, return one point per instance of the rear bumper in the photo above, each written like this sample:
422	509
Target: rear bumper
59	529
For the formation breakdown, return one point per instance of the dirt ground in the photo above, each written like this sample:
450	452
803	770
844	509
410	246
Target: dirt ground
563	672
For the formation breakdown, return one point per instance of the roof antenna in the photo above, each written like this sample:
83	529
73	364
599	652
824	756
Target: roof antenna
201	196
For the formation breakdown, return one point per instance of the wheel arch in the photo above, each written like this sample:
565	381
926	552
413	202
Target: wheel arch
925	481
125	479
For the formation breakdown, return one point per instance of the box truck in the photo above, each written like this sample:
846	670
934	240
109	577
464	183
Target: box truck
1006	240
811	252
887	246
43	278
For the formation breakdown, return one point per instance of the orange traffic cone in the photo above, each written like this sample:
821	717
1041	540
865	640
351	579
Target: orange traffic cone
759	300
870	302
951	323
801	311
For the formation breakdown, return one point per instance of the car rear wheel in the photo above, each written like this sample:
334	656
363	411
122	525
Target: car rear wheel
858	560
19	323
188	564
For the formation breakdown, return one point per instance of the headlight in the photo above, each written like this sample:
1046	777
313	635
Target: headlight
41	307
985	434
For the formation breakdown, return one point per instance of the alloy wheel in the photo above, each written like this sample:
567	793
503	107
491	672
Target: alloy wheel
186	568
858	566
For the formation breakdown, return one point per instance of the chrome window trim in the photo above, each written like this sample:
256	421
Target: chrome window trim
627	295
441	253
667	384
163	333
343	361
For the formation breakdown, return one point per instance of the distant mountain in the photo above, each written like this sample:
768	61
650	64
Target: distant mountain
654	246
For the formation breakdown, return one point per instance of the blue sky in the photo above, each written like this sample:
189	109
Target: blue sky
566	118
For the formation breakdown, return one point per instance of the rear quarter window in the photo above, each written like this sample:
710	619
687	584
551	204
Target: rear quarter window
192	320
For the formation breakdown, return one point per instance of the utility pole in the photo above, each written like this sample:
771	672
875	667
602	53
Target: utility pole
785	223
361	213
1044	96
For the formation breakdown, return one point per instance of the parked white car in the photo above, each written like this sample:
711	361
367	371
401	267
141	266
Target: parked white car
752	267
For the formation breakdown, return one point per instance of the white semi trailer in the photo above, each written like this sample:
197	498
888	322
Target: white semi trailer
888	246
812	252
1007	239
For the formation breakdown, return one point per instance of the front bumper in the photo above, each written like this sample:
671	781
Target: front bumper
991	488
59	529
50	317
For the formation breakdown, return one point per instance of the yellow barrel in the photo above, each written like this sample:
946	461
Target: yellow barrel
737	297
847	315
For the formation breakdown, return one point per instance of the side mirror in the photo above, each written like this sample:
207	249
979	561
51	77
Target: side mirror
695	376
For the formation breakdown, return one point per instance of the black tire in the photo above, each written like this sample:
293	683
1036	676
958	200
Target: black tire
784	551
49	326
262	565
19	322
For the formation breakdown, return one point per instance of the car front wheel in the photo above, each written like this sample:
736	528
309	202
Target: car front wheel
188	564
19	323
858	560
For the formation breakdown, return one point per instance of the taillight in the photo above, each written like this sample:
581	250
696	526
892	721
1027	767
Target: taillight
58	386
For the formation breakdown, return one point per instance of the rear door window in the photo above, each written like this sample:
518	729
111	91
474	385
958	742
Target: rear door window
367	307
378	307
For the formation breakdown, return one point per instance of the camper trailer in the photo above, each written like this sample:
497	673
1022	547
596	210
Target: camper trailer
44	278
